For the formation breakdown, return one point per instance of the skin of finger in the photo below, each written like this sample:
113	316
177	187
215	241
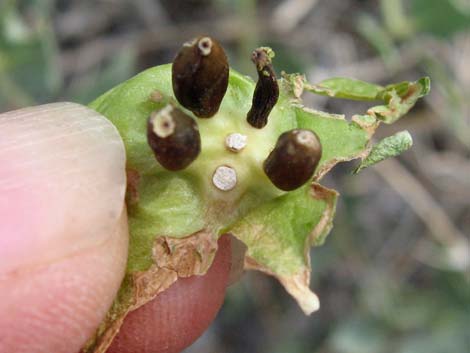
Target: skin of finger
179	315
56	307
61	164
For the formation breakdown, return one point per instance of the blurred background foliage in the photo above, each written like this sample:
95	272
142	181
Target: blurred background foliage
394	273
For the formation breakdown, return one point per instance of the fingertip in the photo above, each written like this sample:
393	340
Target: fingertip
58	306
63	226
62	183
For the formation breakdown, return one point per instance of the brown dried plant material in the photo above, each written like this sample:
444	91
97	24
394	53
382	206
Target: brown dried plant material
173	258
266	91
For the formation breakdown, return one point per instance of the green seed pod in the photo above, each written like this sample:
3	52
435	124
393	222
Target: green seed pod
267	90
174	138
294	159
176	218
200	76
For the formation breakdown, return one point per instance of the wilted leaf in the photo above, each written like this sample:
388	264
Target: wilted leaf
389	147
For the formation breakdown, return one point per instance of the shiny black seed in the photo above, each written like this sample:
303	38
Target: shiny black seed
200	76
294	159
173	137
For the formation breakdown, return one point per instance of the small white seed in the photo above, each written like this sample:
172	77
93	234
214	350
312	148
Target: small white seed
224	178
235	142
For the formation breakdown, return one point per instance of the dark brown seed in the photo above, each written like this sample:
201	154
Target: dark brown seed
174	138
200	76
266	91
294	159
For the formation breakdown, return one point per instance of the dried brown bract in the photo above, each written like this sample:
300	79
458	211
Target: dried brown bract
266	91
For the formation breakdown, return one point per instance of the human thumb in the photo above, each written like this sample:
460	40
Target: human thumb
63	229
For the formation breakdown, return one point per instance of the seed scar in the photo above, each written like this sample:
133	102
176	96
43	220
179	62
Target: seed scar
236	142
224	178
205	46
162	122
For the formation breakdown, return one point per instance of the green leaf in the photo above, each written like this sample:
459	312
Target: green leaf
279	233
167	206
400	98
275	232
391	146
341	87
341	140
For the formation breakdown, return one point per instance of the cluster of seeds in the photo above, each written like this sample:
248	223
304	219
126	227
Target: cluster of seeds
200	75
